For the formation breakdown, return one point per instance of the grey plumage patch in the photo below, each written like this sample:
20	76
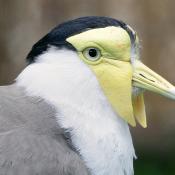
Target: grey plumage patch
31	142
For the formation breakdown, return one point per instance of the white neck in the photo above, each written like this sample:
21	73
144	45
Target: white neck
102	138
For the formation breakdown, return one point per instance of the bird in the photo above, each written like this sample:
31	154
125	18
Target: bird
69	111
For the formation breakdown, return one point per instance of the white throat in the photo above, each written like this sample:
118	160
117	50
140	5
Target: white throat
102	138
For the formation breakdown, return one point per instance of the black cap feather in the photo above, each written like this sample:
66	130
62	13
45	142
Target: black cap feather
57	37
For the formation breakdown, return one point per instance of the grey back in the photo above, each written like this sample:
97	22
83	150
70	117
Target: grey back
31	141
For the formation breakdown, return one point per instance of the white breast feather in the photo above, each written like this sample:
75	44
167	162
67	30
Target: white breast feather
102	138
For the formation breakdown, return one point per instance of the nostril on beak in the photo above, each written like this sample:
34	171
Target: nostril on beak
146	77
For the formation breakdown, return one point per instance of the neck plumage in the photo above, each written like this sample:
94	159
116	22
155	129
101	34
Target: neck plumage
101	137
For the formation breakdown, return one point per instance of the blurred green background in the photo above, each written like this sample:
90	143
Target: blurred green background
22	23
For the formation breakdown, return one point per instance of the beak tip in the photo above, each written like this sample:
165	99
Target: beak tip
172	91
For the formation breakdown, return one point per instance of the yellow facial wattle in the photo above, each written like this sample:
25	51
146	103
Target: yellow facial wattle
117	73
115	78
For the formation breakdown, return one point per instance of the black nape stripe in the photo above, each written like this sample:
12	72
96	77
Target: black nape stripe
57	36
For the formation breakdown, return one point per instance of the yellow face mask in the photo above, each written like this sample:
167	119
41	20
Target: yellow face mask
107	51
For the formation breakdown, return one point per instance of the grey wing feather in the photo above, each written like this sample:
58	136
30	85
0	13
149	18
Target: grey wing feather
31	142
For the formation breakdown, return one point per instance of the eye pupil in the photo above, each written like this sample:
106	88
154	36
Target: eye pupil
92	52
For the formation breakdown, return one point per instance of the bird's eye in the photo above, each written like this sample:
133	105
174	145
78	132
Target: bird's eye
92	54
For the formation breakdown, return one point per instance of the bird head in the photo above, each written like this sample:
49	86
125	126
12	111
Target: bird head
110	49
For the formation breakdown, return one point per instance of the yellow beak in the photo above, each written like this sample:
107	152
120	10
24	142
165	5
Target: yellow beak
145	78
